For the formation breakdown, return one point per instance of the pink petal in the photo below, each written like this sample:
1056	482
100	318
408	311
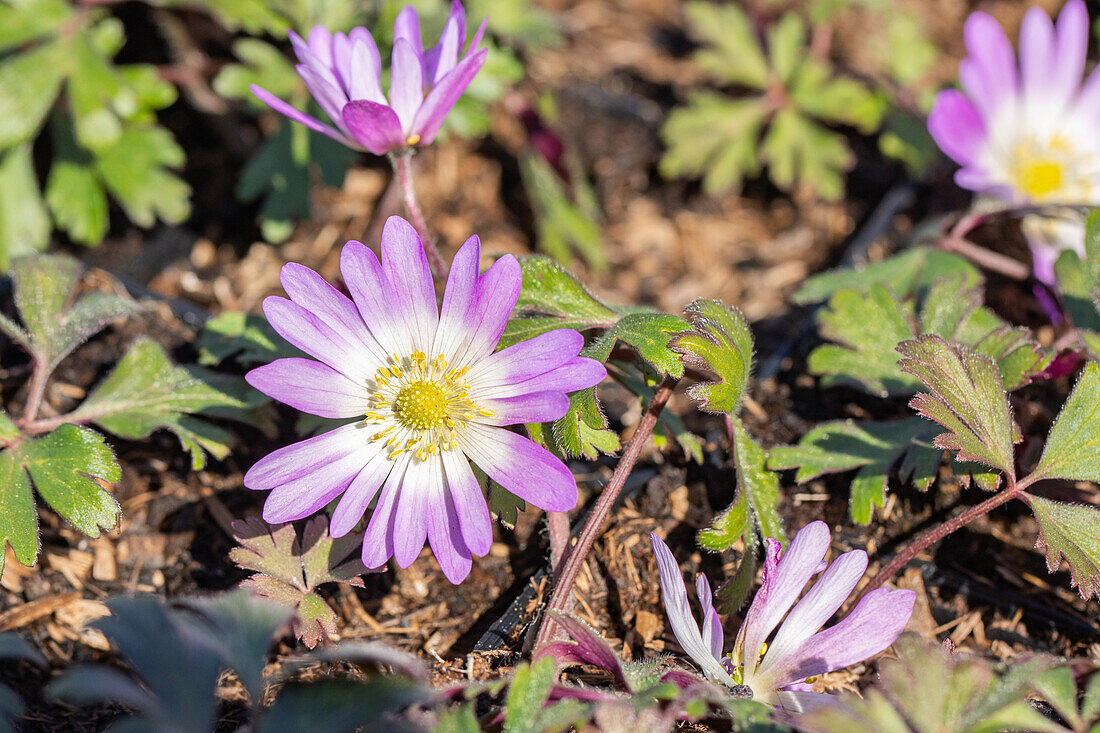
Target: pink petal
378	538
406	268
310	333
300	117
469	503
957	127
675	597
374	297
576	374
497	292
443	96
458	299
713	636
421	481
528	408
311	291
817	606
374	126
406	84
445	536
1037	54
294	461
784	579
365	81
312	387
527	470
359	494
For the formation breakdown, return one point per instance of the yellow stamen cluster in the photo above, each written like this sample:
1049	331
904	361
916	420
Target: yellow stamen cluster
1050	170
420	405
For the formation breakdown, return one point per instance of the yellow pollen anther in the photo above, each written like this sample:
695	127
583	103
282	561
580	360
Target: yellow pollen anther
1040	177
421	405
412	140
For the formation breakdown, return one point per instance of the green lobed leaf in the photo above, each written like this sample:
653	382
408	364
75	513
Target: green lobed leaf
872	447
1078	278
345	706
146	392
907	274
18	519
24	221
552	298
755	508
77	200
1073	446
1071	531
566	216
866	329
582	431
732	54
649	334
800	153
721	343
966	398
263	65
22	21
66	467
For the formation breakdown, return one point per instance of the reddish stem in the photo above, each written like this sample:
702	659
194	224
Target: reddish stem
402	168
1011	491
955	241
36	390
558	525
562	596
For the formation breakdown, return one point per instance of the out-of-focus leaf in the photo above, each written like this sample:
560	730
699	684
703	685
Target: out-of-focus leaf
527	694
966	398
178	665
343	706
245	337
469	118
563	217
243	627
905	138
22	21
1073	446
146	392
29	83
136	171
458	720
520	21
874	448
1078	279
715	137
732	52
1071	531
931	689
721	343
24	221
755	508
77	200
907	274
800	152
282	172
263	65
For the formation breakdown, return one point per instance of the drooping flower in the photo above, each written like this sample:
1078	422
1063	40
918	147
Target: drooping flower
344	75
430	395
1026	133
779	673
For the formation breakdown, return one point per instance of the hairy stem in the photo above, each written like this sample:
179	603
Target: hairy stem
35	392
558	525
1012	490
562	595
402	168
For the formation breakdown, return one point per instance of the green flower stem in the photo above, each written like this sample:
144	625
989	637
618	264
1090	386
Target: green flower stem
402	168
562	596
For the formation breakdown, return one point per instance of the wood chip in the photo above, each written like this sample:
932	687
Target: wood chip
105	565
20	616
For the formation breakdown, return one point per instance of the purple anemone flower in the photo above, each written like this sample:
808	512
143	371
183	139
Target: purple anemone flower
430	394
779	673
344	74
1027	133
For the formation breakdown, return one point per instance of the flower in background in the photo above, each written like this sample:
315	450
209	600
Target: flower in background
780	673
430	393
1027	133
344	75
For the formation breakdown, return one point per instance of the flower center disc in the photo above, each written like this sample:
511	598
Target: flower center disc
1040	177
421	405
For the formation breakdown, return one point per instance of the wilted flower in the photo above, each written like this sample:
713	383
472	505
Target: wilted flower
1027	133
780	673
430	396
344	75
